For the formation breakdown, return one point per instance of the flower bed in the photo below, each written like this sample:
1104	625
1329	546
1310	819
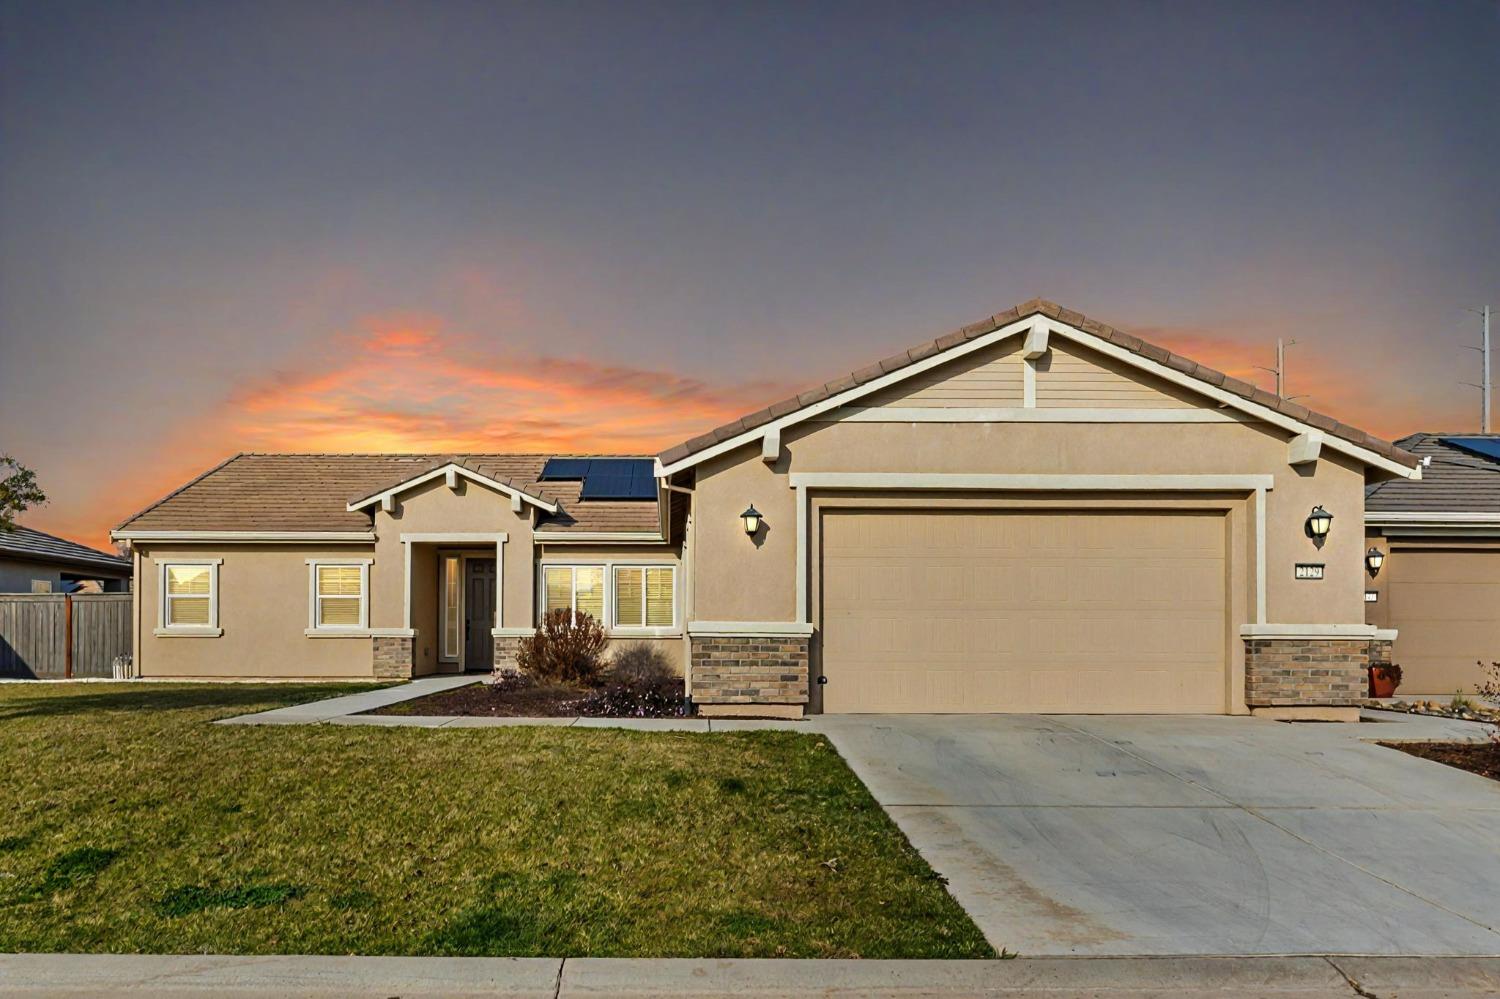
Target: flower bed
1463	709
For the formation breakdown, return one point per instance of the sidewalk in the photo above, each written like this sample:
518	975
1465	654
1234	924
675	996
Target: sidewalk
73	976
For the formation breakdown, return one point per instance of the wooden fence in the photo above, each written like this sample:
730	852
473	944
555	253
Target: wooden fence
56	635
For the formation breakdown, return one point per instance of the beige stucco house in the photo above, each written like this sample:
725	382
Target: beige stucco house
1034	513
1433	562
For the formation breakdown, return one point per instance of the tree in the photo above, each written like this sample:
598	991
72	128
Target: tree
18	491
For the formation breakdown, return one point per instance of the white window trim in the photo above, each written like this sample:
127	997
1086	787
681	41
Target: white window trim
608	565
316	630
165	630
643	630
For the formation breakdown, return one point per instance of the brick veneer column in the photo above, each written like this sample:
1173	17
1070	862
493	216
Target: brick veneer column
506	647
393	658
735	673
1305	672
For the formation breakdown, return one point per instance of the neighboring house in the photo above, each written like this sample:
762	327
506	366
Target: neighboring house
1439	584
1034	513
35	562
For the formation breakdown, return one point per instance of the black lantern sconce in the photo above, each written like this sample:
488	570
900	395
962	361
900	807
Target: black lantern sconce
751	517
1318	524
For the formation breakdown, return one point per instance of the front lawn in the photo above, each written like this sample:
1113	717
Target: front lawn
133	825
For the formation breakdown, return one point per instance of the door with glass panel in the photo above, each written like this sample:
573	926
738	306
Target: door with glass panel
479	613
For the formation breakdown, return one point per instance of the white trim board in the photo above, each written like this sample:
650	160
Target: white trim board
956	414
1455	519
620	537
770	629
1350	631
1030	324
1029	483
244	536
449	472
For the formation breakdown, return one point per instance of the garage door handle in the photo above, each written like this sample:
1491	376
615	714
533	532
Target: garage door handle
822	680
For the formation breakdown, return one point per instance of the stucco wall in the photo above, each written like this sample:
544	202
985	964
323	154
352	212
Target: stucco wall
263	610
737	579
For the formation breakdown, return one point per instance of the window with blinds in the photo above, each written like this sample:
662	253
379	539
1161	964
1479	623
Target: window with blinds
645	596
189	596
578	588
340	595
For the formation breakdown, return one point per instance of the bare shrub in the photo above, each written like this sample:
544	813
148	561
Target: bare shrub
567	647
641	664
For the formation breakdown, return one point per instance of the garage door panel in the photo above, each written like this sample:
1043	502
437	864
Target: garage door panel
1023	611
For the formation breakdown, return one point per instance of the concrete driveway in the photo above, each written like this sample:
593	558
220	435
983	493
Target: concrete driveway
1095	835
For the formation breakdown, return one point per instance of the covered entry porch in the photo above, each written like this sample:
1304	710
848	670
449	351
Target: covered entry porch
454	592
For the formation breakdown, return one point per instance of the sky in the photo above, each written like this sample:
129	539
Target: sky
444	226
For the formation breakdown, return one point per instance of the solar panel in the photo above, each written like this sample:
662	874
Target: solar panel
619	479
1485	447
565	469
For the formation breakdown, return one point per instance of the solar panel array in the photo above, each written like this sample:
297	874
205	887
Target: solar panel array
605	478
1485	447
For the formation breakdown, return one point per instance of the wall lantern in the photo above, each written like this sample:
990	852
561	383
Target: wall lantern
1318	523
751	517
1374	559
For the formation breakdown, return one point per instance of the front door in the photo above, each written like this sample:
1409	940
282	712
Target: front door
479	613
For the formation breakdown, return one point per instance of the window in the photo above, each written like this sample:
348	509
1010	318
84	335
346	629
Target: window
452	606
645	596
190	597
575	588
338	595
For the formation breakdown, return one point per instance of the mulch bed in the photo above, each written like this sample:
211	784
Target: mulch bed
517	697
492	701
1481	758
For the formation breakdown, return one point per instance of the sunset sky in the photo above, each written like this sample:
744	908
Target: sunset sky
569	226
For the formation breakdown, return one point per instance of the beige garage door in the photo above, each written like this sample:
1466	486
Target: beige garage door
1018	611
1445	606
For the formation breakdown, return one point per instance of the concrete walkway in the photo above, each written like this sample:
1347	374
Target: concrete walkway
72	976
1131	835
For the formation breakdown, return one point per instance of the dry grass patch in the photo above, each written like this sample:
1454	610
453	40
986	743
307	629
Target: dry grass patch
133	825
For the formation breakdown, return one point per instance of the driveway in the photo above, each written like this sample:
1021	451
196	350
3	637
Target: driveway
1184	835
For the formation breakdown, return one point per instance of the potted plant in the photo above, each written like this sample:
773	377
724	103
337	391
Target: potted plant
1384	680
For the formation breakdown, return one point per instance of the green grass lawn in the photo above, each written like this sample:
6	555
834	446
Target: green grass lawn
133	825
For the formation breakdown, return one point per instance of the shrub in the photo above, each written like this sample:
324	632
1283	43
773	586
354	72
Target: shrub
641	664
567	647
1489	688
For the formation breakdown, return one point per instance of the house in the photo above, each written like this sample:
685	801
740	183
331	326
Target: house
1034	513
33	561
1433	562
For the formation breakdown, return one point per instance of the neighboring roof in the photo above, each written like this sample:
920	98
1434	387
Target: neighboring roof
1134	344
1455	480
28	543
311	492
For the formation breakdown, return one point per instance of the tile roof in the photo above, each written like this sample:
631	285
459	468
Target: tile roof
1455	481
311	492
26	542
1038	306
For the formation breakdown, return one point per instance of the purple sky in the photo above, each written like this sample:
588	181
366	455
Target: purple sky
217	218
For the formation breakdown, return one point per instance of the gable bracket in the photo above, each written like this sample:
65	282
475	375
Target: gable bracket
1036	340
1304	448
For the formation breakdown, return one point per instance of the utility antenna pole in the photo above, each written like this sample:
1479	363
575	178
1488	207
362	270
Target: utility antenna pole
1484	423
1484	380
1280	370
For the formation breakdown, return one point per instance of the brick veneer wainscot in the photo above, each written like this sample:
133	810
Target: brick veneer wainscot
749	669
393	658
1286	672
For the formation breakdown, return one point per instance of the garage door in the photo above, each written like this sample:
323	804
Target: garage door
1445	606
1066	611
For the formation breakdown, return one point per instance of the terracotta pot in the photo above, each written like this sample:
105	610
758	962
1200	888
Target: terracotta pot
1382	683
